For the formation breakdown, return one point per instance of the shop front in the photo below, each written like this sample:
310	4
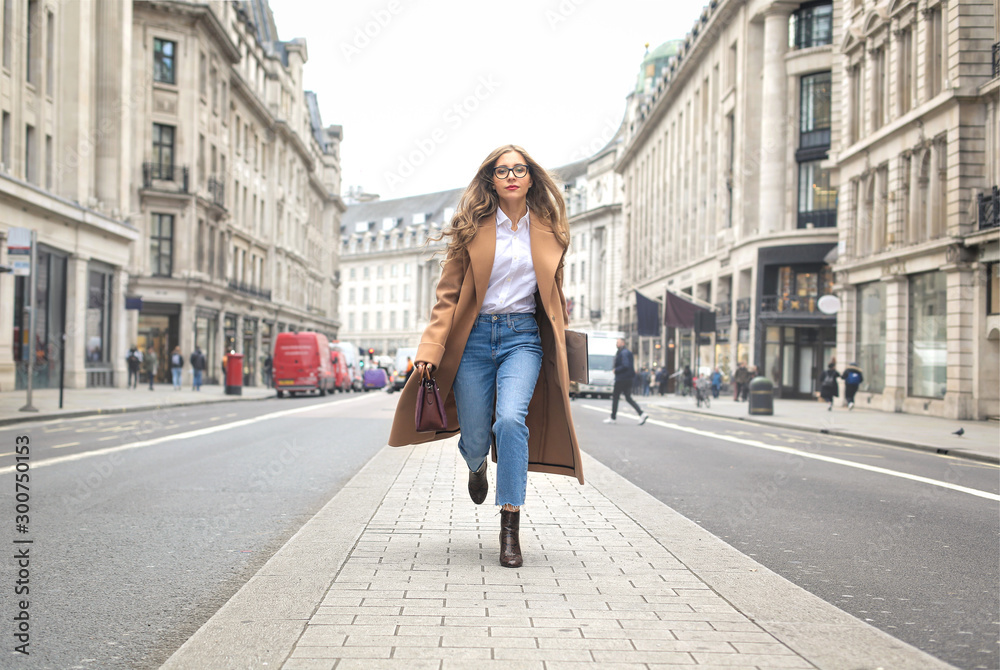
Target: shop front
50	321
159	328
206	332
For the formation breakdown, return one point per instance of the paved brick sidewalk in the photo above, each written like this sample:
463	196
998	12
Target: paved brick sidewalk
400	570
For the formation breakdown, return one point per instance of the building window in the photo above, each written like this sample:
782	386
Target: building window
817	197
364	321
927	347
163	151
49	166
878	88
8	21
202	75
30	155
814	111
50	52
406	319
857	103
905	70
5	139
871	336
812	25
933	66
98	319
161	245
163	61
31	43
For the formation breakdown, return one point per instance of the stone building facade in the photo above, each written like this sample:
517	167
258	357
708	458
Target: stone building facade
182	186
729	196
918	160
62	176
235	184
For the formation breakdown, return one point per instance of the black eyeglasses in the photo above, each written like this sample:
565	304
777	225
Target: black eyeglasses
501	171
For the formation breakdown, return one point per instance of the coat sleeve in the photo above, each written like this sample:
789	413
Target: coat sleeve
431	347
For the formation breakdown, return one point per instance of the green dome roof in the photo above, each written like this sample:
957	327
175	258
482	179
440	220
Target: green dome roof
653	62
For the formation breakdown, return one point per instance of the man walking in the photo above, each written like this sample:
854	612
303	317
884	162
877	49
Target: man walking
624	376
198	368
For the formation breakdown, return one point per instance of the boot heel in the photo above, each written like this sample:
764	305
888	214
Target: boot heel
510	543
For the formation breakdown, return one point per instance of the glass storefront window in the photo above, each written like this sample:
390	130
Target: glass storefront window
927	348
871	335
206	330
98	317
743	345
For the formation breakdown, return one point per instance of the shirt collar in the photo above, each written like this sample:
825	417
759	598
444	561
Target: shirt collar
503	219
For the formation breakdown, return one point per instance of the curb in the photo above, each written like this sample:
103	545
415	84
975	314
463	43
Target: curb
75	414
969	455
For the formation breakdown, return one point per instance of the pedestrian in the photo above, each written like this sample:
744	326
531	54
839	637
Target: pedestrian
853	378
624	367
740	380
688	378
268	370
225	361
496	337
662	378
134	362
644	376
150	363
409	369
828	384
716	382
198	365
176	366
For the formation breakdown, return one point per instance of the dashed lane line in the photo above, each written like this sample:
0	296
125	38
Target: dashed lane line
184	436
805	454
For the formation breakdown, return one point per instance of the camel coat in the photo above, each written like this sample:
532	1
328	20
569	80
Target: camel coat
552	444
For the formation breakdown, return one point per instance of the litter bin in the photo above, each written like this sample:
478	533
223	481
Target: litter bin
234	374
761	396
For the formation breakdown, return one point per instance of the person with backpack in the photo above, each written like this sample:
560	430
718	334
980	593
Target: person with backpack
852	380
176	365
198	365
134	361
828	384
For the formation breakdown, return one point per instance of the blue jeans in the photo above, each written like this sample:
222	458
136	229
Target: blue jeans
197	380
499	366
176	372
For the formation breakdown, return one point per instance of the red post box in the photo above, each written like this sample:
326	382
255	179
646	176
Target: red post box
234	374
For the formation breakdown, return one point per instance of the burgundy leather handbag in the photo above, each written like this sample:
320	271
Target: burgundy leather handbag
430	410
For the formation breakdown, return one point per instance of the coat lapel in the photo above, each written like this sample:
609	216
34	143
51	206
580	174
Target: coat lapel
482	251
545	254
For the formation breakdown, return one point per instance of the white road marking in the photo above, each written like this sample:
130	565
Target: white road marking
805	454
68	444
183	436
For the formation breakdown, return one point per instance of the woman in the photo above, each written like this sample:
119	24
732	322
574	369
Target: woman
497	333
828	384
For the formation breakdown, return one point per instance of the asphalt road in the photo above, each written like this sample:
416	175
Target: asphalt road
915	559
134	550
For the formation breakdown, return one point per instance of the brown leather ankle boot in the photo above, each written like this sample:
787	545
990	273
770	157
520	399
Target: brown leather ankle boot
510	544
479	484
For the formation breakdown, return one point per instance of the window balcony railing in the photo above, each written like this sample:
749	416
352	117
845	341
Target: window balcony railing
820	218
989	209
723	310
792	305
996	60
156	175
252	291
743	309
217	191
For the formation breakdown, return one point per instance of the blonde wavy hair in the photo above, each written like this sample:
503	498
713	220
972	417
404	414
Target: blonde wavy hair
480	200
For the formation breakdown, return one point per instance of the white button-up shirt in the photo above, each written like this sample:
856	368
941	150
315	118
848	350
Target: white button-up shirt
512	282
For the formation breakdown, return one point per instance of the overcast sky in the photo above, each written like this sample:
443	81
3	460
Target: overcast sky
425	90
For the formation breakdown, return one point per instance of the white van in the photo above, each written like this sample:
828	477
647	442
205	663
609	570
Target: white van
399	378
602	345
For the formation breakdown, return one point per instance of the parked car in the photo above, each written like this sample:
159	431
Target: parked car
341	375
302	363
375	378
